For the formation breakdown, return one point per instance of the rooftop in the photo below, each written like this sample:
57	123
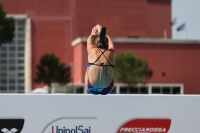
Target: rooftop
141	40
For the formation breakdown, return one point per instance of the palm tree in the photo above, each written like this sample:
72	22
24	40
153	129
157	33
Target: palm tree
50	70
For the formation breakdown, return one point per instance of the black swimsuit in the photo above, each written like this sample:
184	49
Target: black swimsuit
102	64
103	91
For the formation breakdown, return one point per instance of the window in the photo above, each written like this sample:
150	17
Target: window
166	90
11	48
12	55
124	89
3	48
20	74
21	28
11	87
3	75
151	89
11	74
80	90
20	61
3	88
3	54
12	60
20	41
3	68
3	81
156	90
21	68
176	90
3	61
20	54
144	90
11	68
20	88
133	90
20	81
11	81
21	48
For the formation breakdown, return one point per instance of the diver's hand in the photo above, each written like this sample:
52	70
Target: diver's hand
99	27
94	31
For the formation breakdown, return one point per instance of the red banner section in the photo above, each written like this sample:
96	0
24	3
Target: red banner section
146	126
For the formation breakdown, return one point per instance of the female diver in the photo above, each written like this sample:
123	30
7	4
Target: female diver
99	77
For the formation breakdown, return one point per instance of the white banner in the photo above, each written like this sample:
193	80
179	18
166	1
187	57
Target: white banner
56	113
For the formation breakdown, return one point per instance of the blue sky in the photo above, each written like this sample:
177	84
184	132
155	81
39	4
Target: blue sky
186	11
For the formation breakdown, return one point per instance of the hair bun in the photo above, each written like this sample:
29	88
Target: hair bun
101	42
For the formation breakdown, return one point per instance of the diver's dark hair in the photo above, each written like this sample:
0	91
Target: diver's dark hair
101	41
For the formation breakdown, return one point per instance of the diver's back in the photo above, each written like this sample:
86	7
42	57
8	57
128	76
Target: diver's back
101	73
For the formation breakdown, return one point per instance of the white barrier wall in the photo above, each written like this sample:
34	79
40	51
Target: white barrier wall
99	114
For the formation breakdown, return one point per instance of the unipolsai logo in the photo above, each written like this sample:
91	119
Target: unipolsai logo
11	125
66	125
76	129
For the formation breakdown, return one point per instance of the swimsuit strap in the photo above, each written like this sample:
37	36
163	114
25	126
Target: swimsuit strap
102	64
102	53
105	56
104	67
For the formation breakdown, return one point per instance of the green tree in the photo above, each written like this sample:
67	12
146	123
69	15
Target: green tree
50	70
7	27
131	69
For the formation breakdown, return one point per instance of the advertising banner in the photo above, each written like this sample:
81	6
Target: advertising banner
60	113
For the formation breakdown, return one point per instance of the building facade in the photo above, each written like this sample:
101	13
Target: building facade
175	63
52	26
